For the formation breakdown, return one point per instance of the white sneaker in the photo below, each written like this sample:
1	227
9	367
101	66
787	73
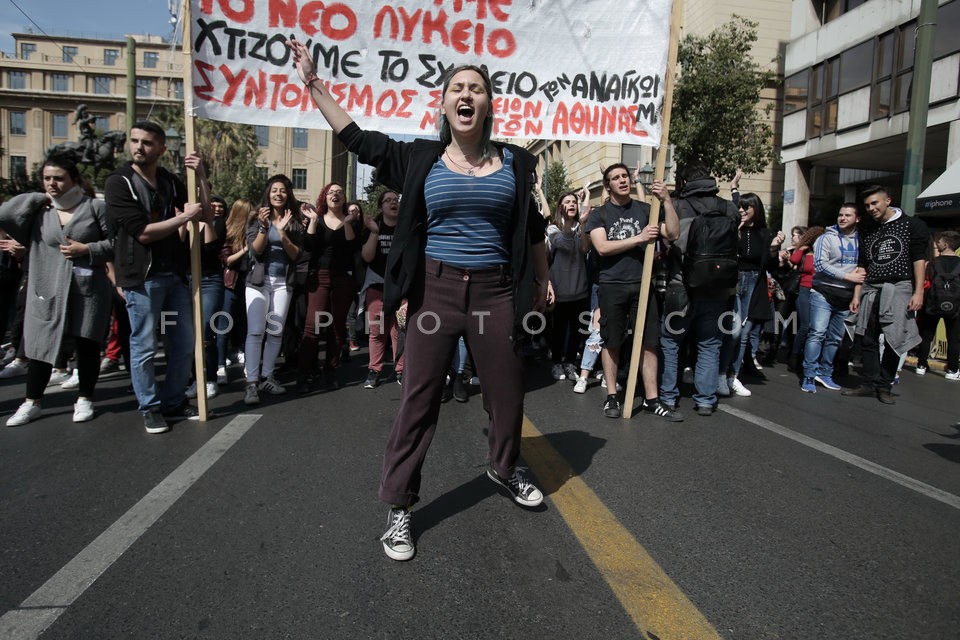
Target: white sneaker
580	386
73	382
82	410
191	391
27	412
557	372
952	375
737	387
59	377
14	369
603	384
921	371
212	390
222	375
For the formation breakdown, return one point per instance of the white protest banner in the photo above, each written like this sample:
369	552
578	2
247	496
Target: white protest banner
561	70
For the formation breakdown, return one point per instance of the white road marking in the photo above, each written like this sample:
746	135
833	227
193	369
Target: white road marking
840	454
47	603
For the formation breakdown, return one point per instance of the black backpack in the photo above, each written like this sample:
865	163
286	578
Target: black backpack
943	296
710	261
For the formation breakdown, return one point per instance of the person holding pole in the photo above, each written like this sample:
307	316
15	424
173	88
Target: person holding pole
469	254
619	231
148	208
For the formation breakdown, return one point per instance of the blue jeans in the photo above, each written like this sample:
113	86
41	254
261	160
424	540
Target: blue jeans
211	288
823	337
703	317
163	299
736	338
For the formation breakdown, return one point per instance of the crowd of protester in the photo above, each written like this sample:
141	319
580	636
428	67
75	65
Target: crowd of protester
89	284
791	302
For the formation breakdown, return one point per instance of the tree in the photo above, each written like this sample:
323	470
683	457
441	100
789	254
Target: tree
555	183
715	118
372	193
231	152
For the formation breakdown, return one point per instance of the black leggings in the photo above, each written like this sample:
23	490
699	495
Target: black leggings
88	366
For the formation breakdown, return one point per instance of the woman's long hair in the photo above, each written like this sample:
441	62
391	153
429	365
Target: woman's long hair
445	136
241	214
558	212
292	203
759	215
321	203
809	237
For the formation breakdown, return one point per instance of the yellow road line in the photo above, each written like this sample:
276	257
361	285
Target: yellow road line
657	606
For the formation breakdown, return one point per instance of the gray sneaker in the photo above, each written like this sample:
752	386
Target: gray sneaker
153	422
252	394
398	540
521	489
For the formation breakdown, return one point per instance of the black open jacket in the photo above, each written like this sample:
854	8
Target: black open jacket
403	167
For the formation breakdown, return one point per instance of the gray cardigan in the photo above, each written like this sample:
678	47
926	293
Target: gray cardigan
63	295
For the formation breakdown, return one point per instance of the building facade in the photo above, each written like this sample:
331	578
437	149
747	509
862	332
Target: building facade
47	77
848	77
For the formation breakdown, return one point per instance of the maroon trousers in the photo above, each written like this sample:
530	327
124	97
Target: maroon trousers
479	306
329	296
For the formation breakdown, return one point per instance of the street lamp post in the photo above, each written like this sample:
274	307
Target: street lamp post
646	176
174	142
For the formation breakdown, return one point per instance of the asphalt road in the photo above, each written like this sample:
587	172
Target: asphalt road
784	515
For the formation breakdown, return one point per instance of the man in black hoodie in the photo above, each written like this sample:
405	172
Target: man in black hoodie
149	209
706	303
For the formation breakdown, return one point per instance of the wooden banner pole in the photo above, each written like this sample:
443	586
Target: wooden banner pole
196	271
676	17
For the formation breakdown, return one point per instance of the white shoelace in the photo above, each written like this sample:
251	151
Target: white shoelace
399	530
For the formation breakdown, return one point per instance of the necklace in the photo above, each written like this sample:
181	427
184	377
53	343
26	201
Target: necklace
470	170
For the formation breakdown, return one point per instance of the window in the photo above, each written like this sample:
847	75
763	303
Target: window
27	49
263	135
101	85
946	35
18	123
822	95
831	83
795	90
17	80
59	125
69	53
176	88
110	56
18	167
901	92
906	45
144	87
856	67
882	72
299	138
150	59
299	179
101	123
60	83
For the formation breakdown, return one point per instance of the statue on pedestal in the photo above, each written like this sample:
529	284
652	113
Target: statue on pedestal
98	153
